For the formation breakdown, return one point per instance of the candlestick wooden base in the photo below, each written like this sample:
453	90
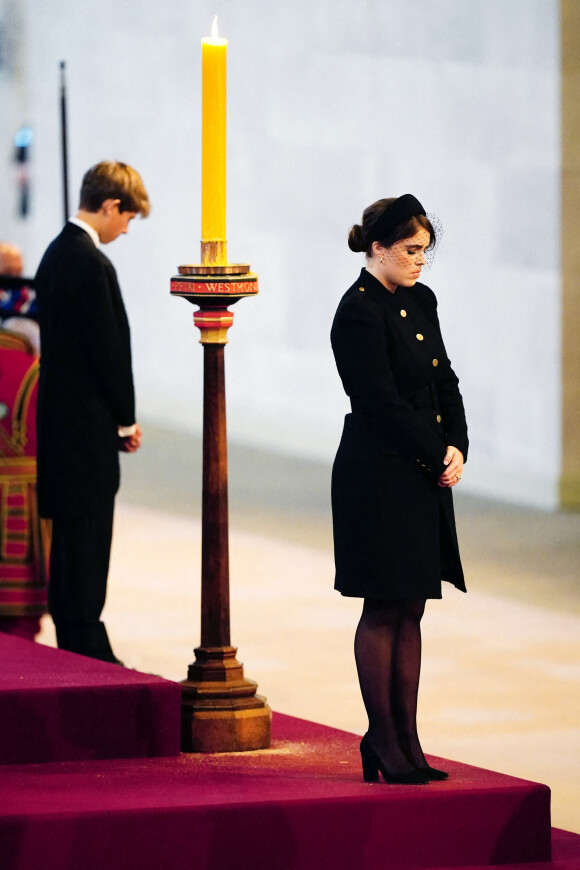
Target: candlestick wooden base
220	710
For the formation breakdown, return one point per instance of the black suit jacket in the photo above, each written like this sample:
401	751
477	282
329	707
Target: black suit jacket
86	382
394	528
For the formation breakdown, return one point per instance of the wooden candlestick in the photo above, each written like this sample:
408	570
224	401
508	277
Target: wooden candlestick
221	711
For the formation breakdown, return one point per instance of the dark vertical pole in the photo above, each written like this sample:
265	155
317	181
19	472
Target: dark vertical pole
215	591
64	146
220	709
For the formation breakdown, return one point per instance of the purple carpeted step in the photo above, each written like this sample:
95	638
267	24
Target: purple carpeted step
565	856
58	706
301	805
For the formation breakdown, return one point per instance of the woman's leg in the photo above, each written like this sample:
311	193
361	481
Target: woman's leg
375	646
405	682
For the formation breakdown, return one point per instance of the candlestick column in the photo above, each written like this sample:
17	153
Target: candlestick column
221	711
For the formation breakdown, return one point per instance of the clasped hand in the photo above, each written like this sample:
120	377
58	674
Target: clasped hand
454	462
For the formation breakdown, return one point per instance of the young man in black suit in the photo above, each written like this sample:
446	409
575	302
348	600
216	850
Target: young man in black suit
86	402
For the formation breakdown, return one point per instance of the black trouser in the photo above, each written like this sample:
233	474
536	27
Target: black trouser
79	565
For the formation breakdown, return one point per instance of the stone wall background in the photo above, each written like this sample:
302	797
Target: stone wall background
330	106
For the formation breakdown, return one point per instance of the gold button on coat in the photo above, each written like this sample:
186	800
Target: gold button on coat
362	289
403	312
435	362
438	418
419	337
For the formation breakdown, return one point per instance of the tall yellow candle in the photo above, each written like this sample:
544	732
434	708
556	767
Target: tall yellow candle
213	137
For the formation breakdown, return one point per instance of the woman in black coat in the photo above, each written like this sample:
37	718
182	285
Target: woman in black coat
402	450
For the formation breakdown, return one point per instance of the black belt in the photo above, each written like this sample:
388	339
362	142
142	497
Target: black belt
426	397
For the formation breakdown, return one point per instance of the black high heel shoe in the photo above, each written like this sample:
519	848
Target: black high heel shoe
371	764
432	773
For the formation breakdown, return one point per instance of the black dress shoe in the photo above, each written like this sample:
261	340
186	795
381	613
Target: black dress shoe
371	764
432	773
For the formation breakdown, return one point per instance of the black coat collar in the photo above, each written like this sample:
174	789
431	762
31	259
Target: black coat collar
388	301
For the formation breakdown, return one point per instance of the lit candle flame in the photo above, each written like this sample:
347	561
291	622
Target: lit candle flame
214	28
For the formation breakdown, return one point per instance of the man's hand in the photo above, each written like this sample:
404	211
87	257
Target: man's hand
131	443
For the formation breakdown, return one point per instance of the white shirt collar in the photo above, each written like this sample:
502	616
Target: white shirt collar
87	228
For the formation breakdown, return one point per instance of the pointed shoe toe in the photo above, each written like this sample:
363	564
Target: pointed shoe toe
433	774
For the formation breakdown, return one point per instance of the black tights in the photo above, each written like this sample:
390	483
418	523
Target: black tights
387	650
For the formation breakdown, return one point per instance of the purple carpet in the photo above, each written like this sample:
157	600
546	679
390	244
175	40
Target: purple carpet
301	805
58	706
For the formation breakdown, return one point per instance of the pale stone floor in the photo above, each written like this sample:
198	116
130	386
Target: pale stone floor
501	670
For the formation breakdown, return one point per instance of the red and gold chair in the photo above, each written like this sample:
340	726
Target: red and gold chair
24	538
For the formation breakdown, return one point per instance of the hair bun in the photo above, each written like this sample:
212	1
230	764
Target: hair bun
355	239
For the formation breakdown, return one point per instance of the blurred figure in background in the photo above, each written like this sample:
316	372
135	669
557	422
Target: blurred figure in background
24	539
17	296
10	260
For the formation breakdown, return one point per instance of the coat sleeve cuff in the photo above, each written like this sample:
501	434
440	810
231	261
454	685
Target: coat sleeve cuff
126	431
